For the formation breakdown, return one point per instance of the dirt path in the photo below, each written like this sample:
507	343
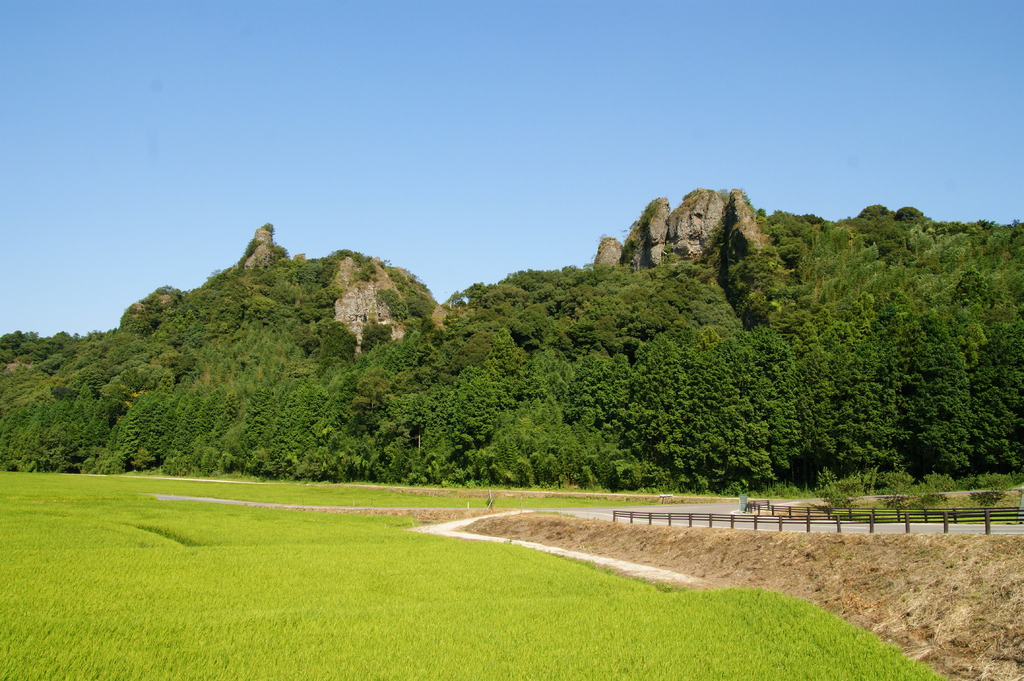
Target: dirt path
454	528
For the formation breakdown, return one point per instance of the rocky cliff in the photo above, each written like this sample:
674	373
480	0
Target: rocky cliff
262	253
609	251
361	302
688	231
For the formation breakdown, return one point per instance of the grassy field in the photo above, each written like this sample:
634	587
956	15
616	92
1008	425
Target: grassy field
97	582
85	487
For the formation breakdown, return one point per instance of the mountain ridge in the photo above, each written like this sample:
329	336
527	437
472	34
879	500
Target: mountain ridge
783	346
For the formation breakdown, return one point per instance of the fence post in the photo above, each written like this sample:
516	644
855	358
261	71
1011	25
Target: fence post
780	523
906	522
630	517
945	522
650	518
988	521
732	522
808	522
871	523
689	519
755	522
670	520
839	525
711	519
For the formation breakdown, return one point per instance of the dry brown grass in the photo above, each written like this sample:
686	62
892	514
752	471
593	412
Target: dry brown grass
955	602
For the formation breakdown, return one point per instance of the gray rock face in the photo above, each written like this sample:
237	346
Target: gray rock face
688	230
609	251
742	232
359	305
645	244
692	222
262	256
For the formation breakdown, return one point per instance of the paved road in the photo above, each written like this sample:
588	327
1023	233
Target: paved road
302	507
765	523
771	524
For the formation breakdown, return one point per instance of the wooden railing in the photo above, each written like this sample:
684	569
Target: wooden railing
1002	514
809	519
734	520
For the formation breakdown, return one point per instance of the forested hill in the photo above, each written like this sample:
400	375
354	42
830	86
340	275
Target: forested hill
718	348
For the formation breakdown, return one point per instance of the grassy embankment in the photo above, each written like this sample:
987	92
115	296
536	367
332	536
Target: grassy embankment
100	582
953	601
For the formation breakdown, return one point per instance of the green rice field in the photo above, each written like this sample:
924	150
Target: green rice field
82	487
100	582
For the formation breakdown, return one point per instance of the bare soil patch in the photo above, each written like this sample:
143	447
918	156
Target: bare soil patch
956	602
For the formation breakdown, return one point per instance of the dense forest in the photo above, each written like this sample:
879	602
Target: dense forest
883	342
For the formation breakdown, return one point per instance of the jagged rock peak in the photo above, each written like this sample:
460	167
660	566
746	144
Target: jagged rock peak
691	224
262	255
360	303
741	223
688	231
645	244
609	251
265	234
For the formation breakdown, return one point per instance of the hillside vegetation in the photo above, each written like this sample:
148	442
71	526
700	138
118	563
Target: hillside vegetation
884	342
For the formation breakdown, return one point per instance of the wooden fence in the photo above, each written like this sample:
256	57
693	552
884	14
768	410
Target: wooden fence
835	520
997	514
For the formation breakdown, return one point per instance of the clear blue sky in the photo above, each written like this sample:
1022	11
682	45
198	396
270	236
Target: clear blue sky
142	143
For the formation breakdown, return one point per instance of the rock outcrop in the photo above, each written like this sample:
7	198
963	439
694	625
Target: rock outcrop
609	251
691	224
686	232
360	304
741	231
262	255
645	244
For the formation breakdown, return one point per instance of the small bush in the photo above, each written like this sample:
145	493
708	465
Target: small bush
838	493
898	484
991	488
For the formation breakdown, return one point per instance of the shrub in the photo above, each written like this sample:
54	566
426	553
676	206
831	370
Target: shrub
991	488
898	484
838	493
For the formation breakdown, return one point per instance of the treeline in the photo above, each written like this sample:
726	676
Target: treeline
886	342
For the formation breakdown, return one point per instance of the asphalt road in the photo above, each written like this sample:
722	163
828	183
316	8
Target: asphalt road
765	523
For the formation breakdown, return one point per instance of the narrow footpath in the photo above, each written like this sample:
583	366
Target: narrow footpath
646	572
